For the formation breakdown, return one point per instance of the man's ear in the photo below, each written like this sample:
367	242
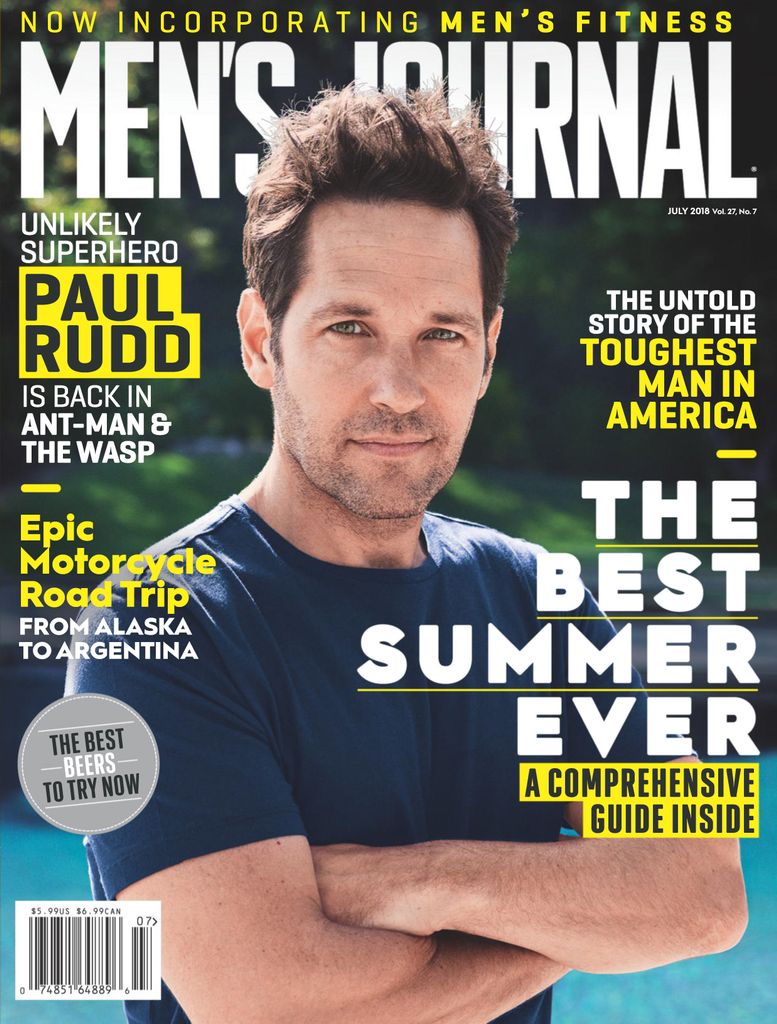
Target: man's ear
255	331
492	336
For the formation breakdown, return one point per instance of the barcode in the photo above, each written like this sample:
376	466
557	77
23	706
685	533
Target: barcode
75	951
88	950
142	968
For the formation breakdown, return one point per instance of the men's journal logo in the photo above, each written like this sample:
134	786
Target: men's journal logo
533	141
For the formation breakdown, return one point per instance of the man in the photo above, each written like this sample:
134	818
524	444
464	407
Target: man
375	244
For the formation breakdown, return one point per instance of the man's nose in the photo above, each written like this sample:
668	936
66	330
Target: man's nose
397	384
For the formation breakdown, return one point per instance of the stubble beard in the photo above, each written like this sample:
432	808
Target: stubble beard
392	491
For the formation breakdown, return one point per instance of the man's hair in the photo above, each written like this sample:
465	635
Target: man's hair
372	147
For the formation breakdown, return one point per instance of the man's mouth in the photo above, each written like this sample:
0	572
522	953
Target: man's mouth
392	446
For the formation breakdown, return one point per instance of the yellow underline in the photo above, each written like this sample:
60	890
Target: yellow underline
676	545
736	453
41	488
649	618
582	689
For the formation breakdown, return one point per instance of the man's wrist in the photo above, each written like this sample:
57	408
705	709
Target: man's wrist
443	883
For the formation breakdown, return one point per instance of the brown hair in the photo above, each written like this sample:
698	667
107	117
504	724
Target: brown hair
368	146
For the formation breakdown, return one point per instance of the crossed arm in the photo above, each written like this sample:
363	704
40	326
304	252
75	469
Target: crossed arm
246	939
604	905
450	932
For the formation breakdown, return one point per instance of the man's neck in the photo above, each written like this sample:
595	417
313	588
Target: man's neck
317	524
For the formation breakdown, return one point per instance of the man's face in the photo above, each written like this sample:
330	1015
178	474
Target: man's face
383	354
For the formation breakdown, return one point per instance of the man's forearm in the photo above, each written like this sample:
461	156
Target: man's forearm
339	974
597	905
464	980
246	940
600	905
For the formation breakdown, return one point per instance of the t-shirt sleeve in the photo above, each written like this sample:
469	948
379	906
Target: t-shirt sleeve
631	742
221	779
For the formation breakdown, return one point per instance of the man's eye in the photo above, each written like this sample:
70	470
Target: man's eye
442	334
347	327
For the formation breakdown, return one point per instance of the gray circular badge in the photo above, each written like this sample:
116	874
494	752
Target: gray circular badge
88	763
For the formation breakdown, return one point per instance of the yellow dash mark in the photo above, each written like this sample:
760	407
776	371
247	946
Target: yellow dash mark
41	488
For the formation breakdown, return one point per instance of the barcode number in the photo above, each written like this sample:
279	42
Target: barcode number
88	950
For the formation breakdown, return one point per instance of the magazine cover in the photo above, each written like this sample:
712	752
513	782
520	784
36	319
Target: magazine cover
388	578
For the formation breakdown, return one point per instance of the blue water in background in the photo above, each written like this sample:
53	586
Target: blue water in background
737	987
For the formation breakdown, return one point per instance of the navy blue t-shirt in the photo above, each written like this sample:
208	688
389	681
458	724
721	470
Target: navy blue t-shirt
266	735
